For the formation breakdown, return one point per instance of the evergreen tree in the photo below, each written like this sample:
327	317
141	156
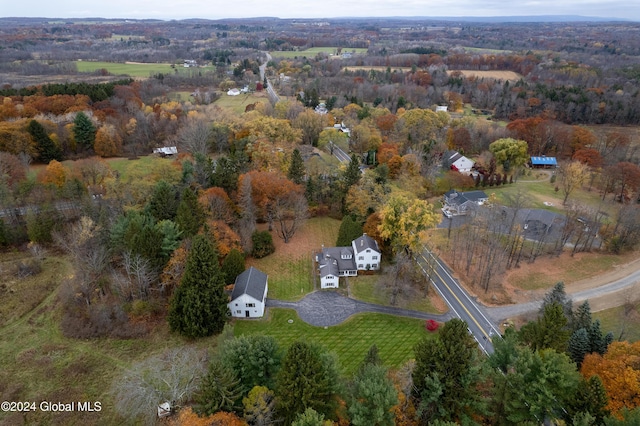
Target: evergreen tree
581	318
446	375
352	174
255	360
303	382
590	397
232	266
219	391
189	216
164	201
296	168
199	305
47	149
372	397
262	244
84	131
549	331
372	357
559	296
578	346
349	231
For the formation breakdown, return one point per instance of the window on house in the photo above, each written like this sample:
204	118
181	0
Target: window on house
374	266
360	266
374	257
236	304
238	311
360	257
251	305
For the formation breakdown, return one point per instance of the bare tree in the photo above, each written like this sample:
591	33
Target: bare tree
247	223
195	136
289	212
173	376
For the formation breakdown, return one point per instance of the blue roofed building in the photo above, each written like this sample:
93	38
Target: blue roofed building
543	162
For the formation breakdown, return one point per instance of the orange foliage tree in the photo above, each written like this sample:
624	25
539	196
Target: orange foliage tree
266	187
187	417
217	204
619	370
108	142
55	173
226	239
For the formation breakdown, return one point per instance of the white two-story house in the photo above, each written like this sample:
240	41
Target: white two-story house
249	294
335	262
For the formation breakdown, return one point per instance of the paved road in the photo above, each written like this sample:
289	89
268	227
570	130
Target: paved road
462	305
503	312
342	156
326	308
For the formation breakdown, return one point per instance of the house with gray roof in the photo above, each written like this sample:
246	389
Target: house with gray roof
249	294
460	203
336	262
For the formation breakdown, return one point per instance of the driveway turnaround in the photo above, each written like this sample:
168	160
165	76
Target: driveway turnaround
325	308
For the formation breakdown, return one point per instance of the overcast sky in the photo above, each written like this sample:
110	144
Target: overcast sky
217	9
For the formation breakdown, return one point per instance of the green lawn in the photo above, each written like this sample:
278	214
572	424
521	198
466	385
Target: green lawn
312	52
237	104
289	279
614	320
142	166
394	336
363	287
117	68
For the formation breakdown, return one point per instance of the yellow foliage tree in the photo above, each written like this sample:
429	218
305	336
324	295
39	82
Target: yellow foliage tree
108	142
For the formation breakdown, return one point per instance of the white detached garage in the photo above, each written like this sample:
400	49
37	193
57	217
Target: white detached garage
249	294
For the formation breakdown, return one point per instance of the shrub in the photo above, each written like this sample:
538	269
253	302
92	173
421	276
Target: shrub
431	325
262	244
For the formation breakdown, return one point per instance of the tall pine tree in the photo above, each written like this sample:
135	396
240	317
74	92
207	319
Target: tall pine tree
199	304
47	149
84	131
296	168
189	216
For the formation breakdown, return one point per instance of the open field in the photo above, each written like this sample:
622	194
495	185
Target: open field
623	326
237	104
498	75
130	69
394	336
38	363
312	52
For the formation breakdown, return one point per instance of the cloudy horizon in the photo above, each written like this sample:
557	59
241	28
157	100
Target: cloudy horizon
286	9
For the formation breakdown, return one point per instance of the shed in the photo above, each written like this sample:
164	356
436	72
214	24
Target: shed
543	162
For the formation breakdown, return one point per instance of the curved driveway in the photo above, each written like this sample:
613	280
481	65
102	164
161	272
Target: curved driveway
327	308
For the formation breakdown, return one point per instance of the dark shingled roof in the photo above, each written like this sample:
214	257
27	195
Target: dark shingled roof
251	282
365	242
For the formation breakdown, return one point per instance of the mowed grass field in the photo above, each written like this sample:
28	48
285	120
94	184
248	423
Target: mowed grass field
314	51
395	337
237	104
134	69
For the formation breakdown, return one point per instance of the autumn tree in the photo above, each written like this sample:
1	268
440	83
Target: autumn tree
511	153
289	212
108	142
247	222
55	173
404	222
84	131
311	124
199	305
619	373
12	170
259	406
47	149
572	176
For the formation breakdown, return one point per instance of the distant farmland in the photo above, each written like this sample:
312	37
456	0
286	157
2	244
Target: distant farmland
497	75
132	69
